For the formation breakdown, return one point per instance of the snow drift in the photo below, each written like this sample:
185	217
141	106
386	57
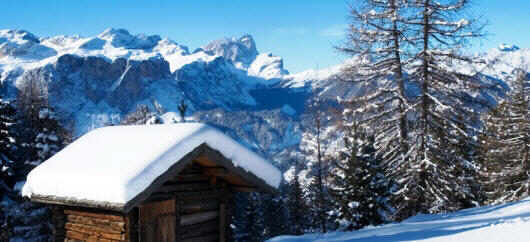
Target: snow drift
508	222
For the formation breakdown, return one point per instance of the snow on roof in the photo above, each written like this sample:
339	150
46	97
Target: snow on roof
114	164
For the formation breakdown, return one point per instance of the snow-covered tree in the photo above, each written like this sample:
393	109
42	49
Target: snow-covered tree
250	222
506	145
313	147
142	115
442	109
423	119
359	186
276	220
376	39
297	203
38	136
7	145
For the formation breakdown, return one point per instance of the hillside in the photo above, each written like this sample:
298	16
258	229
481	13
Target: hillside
507	222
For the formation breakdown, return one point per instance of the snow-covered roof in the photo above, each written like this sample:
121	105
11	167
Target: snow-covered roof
114	164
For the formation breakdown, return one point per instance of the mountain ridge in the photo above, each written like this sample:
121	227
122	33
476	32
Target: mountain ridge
96	81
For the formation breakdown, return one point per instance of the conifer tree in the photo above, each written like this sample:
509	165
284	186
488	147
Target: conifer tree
39	136
444	112
142	115
506	145
276	220
313	147
250	225
376	37
358	183
424	120
297	203
7	145
183	107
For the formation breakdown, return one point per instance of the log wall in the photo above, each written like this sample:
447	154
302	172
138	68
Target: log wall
201	206
87	225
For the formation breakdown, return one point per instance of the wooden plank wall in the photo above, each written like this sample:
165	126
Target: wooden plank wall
198	199
202	205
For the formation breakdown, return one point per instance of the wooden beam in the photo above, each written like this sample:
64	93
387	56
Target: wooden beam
92	232
196	186
197	206
216	171
178	214
191	178
243	189
198	217
100	215
205	238
199	229
173	171
132	225
120	226
222	222
220	160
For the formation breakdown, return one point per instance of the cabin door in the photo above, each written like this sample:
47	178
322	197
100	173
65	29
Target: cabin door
158	221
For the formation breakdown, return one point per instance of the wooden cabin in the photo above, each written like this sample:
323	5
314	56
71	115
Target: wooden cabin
188	198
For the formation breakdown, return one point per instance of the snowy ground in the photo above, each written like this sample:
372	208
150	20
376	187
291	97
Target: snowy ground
508	222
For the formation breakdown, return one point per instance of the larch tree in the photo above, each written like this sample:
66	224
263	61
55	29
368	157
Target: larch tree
443	111
376	40
313	147
506	145
408	53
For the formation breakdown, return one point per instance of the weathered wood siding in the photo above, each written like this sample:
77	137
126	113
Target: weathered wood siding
198	202
92	225
195	205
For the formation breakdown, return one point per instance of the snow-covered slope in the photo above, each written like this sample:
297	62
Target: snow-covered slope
509	222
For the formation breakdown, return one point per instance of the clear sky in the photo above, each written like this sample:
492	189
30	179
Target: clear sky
303	32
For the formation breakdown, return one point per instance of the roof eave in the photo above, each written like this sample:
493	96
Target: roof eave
72	202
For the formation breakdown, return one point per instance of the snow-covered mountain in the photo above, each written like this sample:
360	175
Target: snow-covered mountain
96	81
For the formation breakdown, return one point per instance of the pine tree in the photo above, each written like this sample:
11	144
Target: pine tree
276	220
358	184
297	203
7	145
39	136
250	226
506	145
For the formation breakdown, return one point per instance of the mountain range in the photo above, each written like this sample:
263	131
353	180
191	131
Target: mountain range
95	81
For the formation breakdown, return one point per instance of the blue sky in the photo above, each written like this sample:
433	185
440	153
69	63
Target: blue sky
303	32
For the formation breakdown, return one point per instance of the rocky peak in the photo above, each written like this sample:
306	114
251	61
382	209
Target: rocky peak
16	34
122	38
21	43
242	51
